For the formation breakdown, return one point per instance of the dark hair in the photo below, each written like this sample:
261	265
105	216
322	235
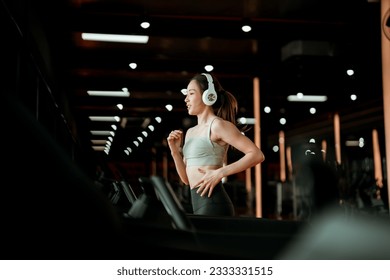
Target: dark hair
226	106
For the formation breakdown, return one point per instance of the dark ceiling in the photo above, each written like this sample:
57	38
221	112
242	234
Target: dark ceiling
304	45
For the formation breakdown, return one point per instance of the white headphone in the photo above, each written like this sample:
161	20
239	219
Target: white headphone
209	96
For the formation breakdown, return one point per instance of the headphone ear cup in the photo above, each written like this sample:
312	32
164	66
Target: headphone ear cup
209	97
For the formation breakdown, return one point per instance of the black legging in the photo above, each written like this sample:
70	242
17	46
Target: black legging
219	204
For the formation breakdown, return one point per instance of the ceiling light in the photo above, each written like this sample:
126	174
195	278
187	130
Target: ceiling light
355	143
117	93
145	24
101	132
120	38
99	142
145	21
105	118
98	148
307	98
209	68
246	25
246	28
352	143
246	120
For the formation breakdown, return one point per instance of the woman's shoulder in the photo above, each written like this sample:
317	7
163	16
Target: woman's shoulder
221	123
222	128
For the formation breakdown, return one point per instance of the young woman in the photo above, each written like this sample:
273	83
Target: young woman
201	163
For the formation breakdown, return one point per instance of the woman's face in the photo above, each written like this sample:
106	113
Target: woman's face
193	98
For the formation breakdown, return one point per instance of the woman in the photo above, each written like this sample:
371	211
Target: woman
203	163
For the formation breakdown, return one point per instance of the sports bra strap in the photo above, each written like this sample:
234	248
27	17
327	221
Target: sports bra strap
209	132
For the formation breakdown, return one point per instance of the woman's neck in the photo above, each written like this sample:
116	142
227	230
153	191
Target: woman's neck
205	118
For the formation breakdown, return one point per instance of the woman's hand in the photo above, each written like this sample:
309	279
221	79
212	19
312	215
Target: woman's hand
175	140
210	179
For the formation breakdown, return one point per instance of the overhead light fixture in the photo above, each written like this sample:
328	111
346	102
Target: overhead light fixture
102	132
98	142
105	118
355	143
120	38
246	28
107	93
209	68
145	24
133	65
307	98
246	120
246	25
145	21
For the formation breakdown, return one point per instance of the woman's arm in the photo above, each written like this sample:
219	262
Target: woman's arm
175	139
229	133
226	132
180	166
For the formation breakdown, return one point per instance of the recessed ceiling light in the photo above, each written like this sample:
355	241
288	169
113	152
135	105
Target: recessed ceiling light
145	24
246	28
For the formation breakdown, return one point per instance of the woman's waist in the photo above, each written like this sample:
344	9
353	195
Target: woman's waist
194	175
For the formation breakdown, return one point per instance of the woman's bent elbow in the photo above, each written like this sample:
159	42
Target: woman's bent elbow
260	157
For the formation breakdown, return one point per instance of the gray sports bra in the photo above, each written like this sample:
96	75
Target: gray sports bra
201	151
